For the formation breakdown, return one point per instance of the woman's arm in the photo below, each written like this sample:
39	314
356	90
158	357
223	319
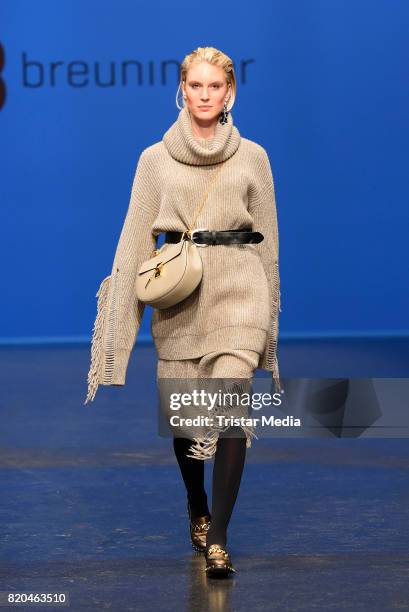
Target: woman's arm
119	312
262	207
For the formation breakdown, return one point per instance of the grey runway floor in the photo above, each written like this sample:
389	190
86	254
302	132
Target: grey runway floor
93	503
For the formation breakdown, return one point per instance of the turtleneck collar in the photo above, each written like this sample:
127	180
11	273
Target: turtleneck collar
183	146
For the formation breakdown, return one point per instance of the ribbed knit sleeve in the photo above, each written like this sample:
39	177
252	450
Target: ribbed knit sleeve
119	312
262	207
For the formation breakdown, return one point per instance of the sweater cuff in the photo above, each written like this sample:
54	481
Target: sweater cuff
120	366
263	362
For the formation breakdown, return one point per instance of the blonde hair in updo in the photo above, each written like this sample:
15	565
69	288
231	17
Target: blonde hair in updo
214	57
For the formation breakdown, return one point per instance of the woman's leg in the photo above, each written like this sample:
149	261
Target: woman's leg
192	470
227	471
231	451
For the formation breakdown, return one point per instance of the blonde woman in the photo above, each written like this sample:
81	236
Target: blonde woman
228	326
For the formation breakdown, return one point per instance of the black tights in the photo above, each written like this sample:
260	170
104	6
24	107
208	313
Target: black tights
227	472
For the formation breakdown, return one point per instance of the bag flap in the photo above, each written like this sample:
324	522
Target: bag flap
168	253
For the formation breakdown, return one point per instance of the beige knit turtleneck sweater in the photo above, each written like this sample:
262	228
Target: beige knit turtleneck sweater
237	302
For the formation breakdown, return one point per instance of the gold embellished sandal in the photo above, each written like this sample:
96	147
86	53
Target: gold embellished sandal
218	562
199	527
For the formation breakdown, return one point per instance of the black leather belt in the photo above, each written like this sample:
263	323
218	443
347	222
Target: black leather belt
205	237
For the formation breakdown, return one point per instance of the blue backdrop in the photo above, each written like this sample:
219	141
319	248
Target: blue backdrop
322	85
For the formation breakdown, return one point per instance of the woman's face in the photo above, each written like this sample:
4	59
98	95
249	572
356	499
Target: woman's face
205	86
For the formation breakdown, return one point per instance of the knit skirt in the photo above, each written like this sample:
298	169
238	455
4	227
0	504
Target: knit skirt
229	365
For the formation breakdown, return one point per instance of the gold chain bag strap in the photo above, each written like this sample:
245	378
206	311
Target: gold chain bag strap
175	270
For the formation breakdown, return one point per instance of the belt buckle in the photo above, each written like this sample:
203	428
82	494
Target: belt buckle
199	229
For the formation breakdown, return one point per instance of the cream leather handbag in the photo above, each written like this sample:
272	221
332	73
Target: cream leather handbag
175	270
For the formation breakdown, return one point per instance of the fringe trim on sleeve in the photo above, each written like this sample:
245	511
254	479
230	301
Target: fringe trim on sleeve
94	373
271	361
